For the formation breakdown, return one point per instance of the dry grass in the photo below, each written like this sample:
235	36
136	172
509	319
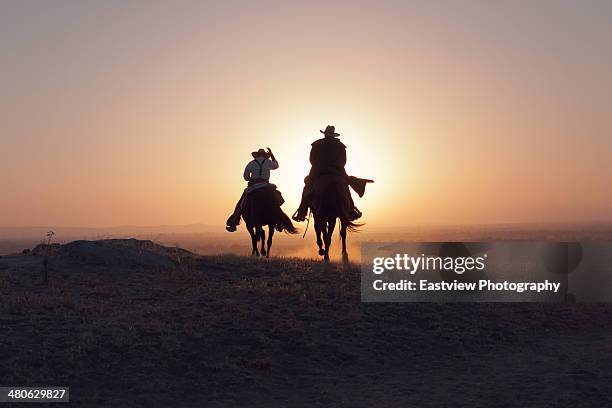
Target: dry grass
236	331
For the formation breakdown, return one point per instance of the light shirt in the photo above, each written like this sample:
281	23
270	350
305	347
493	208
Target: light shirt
259	168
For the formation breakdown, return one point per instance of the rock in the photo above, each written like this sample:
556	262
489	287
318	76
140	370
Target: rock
46	249
116	252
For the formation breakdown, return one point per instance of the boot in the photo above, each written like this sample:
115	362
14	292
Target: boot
232	222
301	213
234	219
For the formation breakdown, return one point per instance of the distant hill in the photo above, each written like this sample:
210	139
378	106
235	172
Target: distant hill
213	239
38	232
423	232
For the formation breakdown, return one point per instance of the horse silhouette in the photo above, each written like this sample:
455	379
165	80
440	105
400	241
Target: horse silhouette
332	202
262	208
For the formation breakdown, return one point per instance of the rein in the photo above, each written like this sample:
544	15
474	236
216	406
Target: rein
307	223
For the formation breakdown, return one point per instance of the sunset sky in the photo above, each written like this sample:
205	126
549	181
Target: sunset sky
145	112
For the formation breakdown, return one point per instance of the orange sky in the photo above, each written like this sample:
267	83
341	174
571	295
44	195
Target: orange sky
144	112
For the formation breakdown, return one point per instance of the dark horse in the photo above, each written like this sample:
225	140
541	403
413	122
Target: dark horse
262	208
331	201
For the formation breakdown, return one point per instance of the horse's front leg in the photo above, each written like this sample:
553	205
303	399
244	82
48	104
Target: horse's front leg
327	236
252	232
262	235
317	227
270	234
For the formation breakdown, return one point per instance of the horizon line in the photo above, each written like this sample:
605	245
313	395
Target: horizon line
393	226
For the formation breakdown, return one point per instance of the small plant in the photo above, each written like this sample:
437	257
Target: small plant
45	276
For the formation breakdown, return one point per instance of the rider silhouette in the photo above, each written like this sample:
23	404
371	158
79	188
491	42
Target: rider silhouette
257	174
327	157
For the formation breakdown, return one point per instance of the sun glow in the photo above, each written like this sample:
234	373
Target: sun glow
366	158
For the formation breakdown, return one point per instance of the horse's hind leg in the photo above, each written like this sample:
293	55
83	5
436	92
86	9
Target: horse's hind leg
343	237
317	226
262	235
253	234
270	234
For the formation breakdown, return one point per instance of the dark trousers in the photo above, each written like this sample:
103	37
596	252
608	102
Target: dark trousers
307	194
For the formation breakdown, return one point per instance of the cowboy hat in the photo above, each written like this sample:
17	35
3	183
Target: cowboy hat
260	152
330	131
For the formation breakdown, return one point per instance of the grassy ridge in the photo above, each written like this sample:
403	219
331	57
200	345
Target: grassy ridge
238	331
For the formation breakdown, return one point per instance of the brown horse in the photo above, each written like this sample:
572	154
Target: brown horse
331	201
262	208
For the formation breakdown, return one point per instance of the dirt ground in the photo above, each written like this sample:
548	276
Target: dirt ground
224	331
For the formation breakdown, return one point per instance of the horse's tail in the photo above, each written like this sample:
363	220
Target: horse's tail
352	226
342	203
285	222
